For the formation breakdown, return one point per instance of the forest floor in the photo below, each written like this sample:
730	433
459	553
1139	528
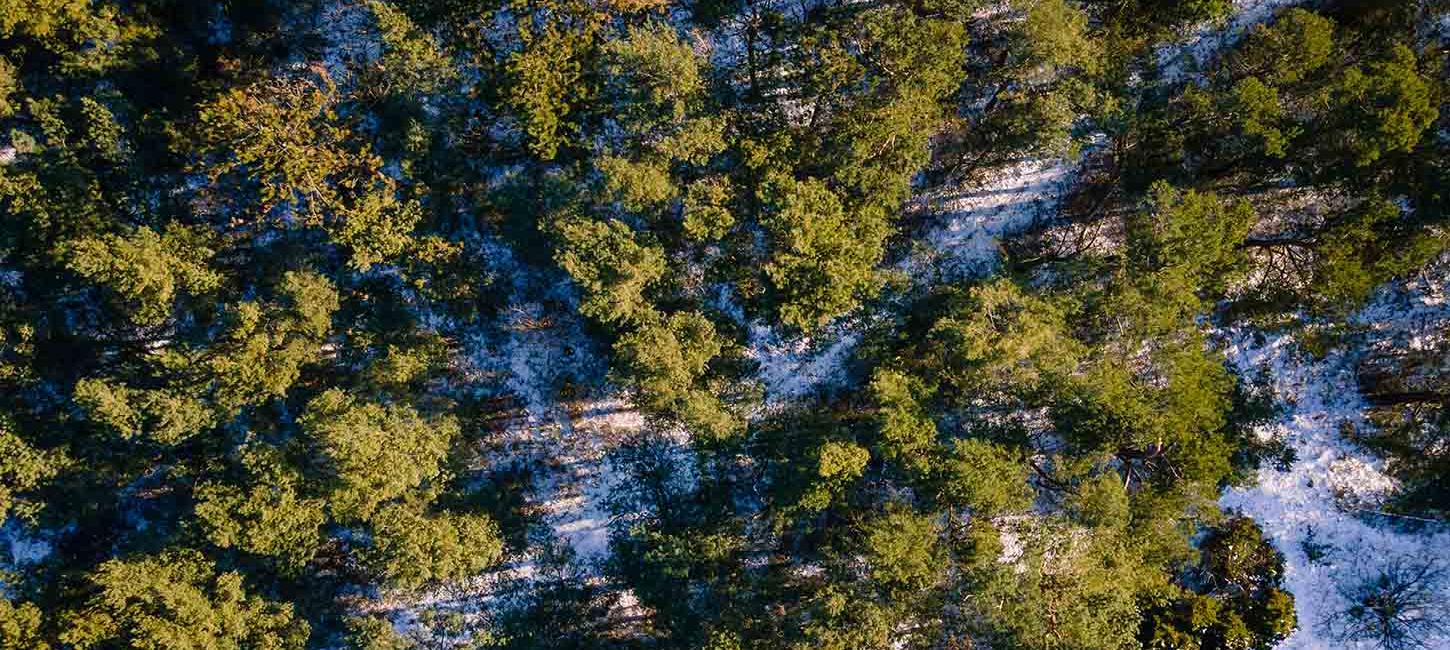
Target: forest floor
1320	510
1323	510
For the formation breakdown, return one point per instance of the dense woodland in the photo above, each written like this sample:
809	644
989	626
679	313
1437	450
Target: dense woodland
257	258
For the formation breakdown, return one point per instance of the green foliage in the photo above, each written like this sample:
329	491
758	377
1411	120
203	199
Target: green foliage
24	468
637	186
268	517
985	478
546	78
412	61
907	431
282	136
285	141
9	86
281	293
1357	251
1066	590
1101	502
147	269
1382	108
707	210
913	67
1187	241
410	548
660	76
160	415
264	347
822	258
1002	341
20	626
374	453
1291	48
613	268
838	465
177	600
901	548
665	361
374	633
1239	604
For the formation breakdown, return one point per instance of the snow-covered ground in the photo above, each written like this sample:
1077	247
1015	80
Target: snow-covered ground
793	367
966	225
1323	504
540	345
969	221
1183	60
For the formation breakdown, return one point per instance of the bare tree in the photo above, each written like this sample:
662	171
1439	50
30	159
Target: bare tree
1401	607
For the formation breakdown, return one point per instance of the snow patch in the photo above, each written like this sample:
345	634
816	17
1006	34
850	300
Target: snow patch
1322	511
1182	60
974	218
795	367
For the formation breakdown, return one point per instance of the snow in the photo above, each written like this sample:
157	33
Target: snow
795	367
538	349
23	548
1181	61
351	40
974	218
1326	501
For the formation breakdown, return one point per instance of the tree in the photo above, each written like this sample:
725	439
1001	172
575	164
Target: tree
822	259
1065	590
902	550
665	361
607	261
20	626
838	465
1238	600
657	75
1401	606
545	77
146	269
1287	50
372	453
23	468
1186	244
1002	343
281	152
411	61
267	516
985	478
177	600
410	548
908	433
1381	108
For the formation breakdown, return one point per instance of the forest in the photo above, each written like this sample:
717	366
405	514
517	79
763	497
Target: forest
724	324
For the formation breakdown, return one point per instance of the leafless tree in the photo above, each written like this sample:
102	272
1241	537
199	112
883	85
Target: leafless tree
1400	607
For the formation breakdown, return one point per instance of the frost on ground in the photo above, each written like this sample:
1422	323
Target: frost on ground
21	545
559	425
1322	510
567	418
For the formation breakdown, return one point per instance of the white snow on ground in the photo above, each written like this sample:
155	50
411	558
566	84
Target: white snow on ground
1326	498
1180	60
974	218
565	420
21	545
969	223
795	367
351	37
538	350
